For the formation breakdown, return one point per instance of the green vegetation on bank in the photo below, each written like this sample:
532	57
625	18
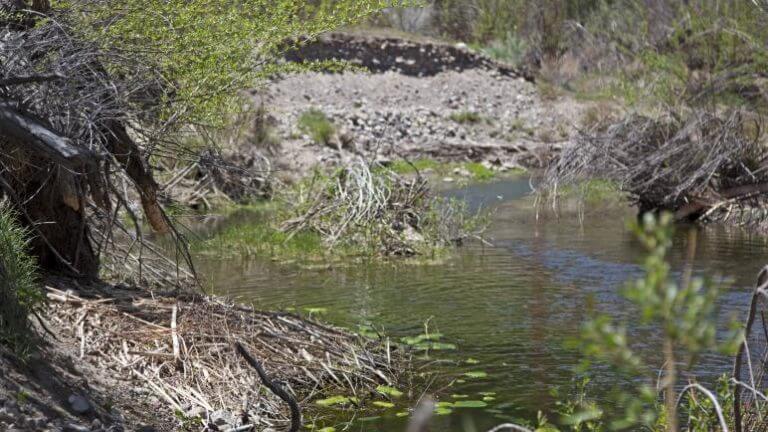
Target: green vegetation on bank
353	212
20	293
474	170
316	124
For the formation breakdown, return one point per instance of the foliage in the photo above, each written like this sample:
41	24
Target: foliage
20	294
317	125
210	50
510	49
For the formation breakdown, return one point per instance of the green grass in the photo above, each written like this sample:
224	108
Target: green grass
258	237
20	293
466	117
316	124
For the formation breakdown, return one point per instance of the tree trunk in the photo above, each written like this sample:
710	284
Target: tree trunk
48	199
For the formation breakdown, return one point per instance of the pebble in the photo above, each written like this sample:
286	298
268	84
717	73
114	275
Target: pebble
79	404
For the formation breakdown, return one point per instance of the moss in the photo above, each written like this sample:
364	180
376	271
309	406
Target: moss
20	293
317	125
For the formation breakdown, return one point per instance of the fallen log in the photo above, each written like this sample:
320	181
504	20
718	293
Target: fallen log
28	131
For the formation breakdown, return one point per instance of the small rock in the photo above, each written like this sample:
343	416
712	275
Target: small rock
222	419
79	404
72	427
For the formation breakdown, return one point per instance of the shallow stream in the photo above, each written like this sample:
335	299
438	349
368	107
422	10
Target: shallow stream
509	308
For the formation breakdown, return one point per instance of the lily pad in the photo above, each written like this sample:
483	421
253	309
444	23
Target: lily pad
389	391
327	429
470	404
383	404
459	396
476	374
489	398
336	400
403	414
444	404
471	361
443	411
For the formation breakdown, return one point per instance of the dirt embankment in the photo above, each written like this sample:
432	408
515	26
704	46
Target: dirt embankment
420	100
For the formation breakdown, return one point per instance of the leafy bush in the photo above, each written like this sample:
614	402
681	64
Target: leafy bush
317	125
20	294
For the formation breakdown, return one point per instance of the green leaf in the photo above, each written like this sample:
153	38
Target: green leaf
476	374
383	404
334	400
389	391
470	404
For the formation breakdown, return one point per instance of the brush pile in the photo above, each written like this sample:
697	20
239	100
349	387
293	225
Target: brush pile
703	166
375	207
181	351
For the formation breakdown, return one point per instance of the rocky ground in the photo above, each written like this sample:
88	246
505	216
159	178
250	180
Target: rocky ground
454	113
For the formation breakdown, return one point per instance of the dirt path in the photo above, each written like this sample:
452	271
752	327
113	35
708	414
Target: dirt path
454	112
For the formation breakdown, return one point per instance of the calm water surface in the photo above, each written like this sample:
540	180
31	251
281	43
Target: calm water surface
512	306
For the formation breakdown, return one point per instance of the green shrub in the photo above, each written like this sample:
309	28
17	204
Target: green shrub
20	294
317	125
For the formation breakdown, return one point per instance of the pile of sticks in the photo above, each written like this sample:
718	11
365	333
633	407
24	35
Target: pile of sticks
183	351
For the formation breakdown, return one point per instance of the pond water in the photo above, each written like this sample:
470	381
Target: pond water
510	307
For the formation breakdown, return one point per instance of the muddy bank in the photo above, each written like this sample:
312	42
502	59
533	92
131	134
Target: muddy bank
128	359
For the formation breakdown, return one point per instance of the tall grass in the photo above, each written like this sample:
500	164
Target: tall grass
20	294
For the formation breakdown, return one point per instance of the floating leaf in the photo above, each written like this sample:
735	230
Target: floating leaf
444	404
489	398
402	414
437	346
415	340
383	404
471	361
389	391
334	400
476	374
443	411
459	396
470	404
327	429
486	393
